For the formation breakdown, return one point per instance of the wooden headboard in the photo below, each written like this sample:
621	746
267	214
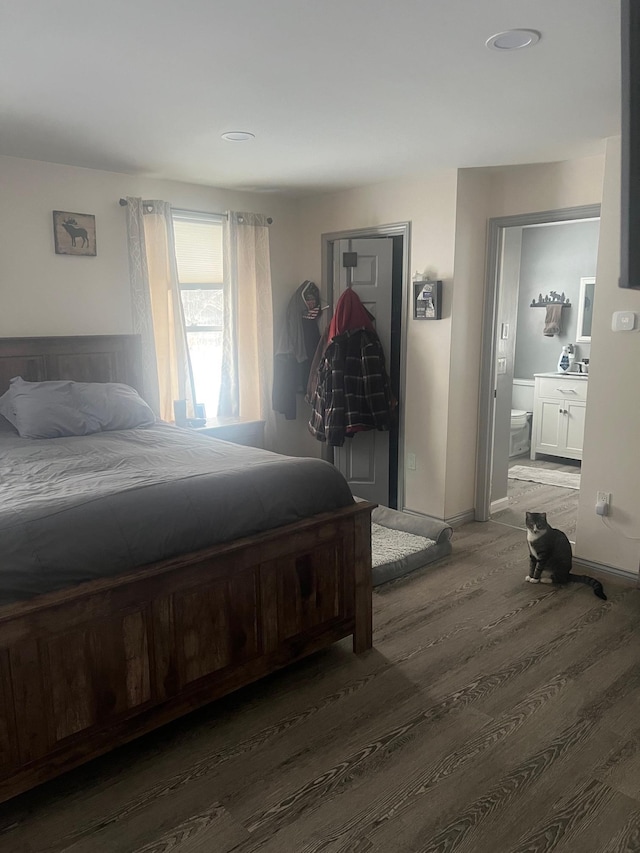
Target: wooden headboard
90	358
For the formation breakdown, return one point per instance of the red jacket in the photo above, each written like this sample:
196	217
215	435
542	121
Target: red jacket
350	314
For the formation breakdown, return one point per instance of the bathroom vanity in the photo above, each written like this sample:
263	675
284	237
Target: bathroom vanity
559	408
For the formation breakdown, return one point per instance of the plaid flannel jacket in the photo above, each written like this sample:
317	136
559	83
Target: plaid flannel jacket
352	393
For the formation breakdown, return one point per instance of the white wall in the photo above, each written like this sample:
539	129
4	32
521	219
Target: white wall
546	186
613	408
42	293
47	294
429	203
472	212
448	213
611	459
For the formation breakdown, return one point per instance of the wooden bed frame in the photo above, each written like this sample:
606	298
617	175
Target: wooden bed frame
88	668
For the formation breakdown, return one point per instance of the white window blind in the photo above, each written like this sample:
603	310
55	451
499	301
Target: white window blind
198	248
200	265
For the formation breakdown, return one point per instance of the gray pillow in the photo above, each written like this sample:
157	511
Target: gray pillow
113	405
7	409
47	410
6	428
55	409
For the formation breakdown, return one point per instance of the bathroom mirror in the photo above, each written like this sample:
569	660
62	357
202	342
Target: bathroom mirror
585	310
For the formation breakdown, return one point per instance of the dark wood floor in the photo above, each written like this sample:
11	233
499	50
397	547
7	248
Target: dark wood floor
561	505
492	716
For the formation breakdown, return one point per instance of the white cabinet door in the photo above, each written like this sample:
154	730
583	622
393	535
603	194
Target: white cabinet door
550	427
558	420
574	435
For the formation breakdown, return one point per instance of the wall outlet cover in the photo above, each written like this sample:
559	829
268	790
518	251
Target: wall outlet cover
602	503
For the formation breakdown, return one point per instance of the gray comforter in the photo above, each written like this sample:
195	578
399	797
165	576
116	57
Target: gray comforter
75	509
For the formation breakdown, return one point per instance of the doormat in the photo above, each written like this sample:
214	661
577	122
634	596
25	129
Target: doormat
565	479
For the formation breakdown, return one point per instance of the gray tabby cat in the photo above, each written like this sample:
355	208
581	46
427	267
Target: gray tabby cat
550	551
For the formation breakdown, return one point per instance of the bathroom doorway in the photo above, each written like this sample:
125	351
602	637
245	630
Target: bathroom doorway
533	259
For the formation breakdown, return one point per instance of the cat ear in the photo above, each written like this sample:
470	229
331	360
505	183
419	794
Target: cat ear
543	515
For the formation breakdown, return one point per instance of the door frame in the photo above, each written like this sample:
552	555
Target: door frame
488	367
394	229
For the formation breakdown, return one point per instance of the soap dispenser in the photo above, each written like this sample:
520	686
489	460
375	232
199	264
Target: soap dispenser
567	357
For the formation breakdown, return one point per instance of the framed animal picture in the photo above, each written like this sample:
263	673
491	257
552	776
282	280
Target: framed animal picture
74	233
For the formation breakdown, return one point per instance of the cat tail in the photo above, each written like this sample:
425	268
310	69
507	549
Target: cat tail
592	582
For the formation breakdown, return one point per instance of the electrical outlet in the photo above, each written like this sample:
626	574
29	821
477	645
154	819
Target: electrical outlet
603	499
411	461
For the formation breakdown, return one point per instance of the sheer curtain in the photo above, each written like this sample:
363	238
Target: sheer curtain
247	360
157	306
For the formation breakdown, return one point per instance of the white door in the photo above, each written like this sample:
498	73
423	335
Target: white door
364	459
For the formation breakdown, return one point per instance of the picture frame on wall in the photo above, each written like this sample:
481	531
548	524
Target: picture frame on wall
427	300
74	233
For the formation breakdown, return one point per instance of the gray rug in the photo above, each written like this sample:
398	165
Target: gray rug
565	479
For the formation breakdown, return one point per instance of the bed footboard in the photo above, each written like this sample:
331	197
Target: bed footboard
87	669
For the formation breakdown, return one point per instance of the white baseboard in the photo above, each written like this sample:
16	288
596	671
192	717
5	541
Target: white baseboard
606	570
454	521
501	503
461	518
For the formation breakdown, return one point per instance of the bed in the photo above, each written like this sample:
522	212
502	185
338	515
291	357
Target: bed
109	647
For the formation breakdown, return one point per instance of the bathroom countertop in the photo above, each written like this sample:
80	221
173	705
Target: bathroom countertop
571	375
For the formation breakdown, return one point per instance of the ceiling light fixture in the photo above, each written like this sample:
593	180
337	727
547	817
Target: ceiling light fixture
513	40
238	136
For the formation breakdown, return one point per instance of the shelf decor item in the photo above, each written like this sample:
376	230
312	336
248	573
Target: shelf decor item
427	300
74	233
552	298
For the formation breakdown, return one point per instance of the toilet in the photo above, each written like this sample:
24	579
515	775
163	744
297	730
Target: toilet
520	437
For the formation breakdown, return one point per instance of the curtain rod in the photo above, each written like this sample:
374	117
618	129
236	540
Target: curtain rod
123	203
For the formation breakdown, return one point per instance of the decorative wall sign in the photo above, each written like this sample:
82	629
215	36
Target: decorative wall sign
74	233
427	300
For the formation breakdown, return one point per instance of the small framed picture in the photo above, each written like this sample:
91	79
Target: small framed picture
427	300
74	233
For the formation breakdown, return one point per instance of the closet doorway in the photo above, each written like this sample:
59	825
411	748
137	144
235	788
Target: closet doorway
375	263
530	256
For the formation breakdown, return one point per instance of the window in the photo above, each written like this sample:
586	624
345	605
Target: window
200	263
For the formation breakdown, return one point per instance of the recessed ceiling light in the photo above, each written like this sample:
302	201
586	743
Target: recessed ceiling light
238	136
513	39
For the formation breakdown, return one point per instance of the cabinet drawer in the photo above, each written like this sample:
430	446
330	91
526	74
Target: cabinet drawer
562	388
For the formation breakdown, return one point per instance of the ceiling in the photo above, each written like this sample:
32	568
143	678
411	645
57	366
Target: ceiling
338	92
